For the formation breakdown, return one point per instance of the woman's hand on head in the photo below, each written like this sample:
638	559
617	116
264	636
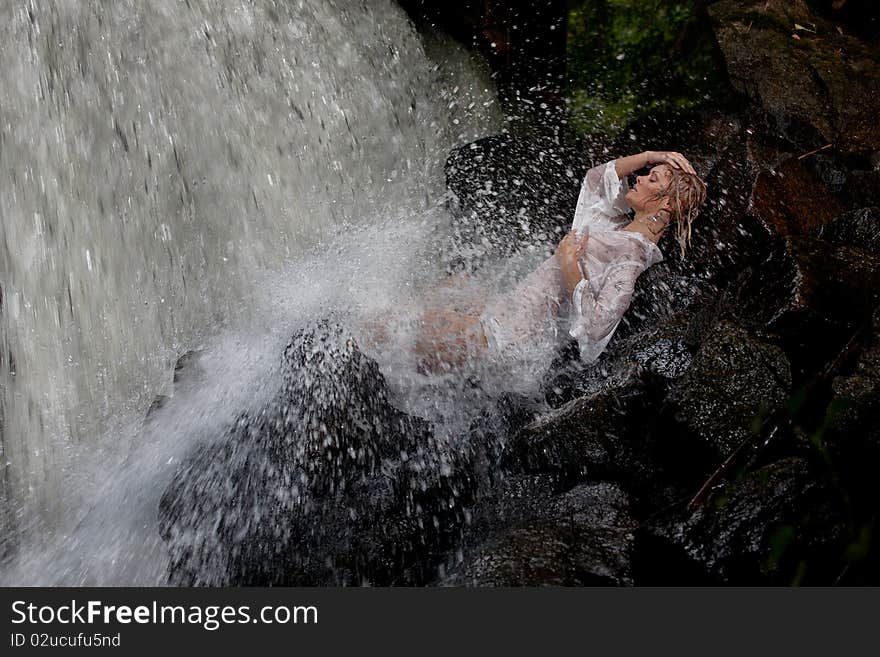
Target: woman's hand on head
672	159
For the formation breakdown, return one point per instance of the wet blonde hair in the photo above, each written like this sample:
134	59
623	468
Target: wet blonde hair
686	194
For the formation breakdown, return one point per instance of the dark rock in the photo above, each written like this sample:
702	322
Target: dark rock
594	504
839	284
515	500
832	171
780	524
858	393
858	16
643	354
188	370
849	438
617	435
583	439
547	554
811	294
519	499
581	537
666	358
735	381
852	423
327	483
862	188
818	88
791	200
859	228
188	373
159	402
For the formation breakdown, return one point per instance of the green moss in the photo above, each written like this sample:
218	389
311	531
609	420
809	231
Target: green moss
628	59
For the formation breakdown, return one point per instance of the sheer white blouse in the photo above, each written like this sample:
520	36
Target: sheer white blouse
613	260
525	326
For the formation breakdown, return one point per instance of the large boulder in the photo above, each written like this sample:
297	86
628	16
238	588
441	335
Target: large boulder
735	381
549	554
815	84
618	434
862	187
812	295
838	284
791	199
578	538
587	438
326	483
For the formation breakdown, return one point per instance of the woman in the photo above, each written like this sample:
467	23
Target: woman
583	290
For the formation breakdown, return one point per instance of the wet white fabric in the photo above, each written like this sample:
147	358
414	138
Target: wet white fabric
525	326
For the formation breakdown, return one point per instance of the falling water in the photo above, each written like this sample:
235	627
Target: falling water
180	176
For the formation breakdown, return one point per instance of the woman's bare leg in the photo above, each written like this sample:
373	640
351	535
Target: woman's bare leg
447	338
448	333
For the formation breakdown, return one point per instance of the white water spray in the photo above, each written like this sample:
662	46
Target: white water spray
164	162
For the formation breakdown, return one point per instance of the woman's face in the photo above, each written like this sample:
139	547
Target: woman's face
642	196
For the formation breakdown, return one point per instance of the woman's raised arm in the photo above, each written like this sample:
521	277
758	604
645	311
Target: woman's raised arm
626	165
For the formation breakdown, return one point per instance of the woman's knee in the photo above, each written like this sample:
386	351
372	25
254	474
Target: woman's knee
447	339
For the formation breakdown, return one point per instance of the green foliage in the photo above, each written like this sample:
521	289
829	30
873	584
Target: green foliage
860	547
779	543
628	59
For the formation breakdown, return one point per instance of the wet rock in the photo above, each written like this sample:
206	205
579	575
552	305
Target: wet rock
581	537
850	439
832	171
326	483
852	423
859	228
594	504
515	500
188	370
188	373
545	554
792	200
666	358
510	192
862	188
811	294
838	284
617	435
817	88
519	499
582	439
159	402
780	524
735	381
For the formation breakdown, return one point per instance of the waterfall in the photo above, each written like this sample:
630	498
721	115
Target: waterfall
164	163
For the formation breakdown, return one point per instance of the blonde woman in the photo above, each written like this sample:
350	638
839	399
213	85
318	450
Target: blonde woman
584	289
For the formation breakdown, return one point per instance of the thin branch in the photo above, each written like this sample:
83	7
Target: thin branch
815	151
